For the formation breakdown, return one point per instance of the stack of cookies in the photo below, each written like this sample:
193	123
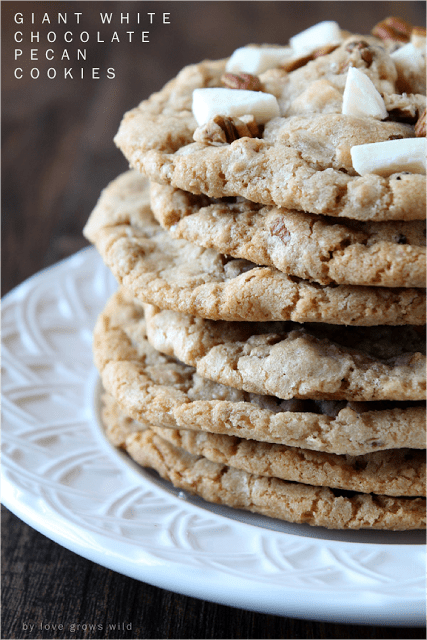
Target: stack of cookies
266	348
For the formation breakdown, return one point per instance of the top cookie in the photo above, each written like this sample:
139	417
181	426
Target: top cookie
300	159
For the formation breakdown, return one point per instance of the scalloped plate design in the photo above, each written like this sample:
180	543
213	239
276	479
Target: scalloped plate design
61	476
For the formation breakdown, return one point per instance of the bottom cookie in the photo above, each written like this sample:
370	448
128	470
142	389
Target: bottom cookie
290	501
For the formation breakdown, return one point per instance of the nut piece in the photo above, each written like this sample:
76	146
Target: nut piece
279	229
361	56
324	51
420	127
225	129
407	107
393	28
296	63
361	49
241	81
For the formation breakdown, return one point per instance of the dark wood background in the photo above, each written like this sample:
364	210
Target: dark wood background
57	154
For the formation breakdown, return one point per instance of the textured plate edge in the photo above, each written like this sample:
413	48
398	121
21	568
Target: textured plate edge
386	610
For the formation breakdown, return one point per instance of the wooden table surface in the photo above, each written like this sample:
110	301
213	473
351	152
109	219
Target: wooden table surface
57	155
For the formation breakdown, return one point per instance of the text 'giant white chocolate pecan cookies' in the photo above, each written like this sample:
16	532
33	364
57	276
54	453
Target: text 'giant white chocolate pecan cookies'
301	159
156	389
297	361
178	275
274	497
310	246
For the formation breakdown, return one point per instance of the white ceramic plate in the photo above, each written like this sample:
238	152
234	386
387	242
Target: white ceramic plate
62	477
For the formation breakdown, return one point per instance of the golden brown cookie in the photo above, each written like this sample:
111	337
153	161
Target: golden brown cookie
156	389
313	247
394	473
289	360
298	160
175	274
290	501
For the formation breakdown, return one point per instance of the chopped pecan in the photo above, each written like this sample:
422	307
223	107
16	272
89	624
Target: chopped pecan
296	63
279	229
361	54
406	107
225	129
241	81
420	127
324	50
393	28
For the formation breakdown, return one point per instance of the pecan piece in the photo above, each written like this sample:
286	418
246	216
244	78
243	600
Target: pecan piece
393	28
420	127
241	81
225	129
296	63
279	229
359	52
324	50
406	107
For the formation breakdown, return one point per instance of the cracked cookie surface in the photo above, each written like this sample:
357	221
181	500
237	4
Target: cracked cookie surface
157	389
290	501
312	247
394	473
176	274
302	159
290	360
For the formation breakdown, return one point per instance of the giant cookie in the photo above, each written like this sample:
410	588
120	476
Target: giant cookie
290	501
289	360
156	389
299	160
176	274
310	246
394	473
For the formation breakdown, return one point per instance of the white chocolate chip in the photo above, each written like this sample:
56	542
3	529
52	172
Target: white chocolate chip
256	60
409	58
361	97
391	156
214	101
326	32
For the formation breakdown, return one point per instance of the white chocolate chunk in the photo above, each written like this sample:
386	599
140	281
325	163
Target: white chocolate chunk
418	40
391	156
361	97
214	101
256	60
409	58
326	32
